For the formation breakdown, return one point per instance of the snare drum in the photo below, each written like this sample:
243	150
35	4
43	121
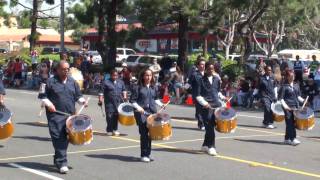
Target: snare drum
79	129
304	119
6	126
159	126
77	76
278	113
226	120
126	114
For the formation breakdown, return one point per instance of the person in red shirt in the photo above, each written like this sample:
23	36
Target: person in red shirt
17	69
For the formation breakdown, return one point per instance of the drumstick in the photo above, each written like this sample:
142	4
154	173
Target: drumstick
41	110
229	99
164	106
83	106
305	102
64	113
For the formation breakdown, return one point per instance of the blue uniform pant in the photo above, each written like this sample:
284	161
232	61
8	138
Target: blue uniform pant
58	133
198	113
209	123
112	121
145	141
267	116
290	127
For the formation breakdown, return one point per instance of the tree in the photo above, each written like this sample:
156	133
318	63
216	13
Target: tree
153	12
104	13
34	17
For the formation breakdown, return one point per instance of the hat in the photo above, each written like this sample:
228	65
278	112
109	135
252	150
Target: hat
124	65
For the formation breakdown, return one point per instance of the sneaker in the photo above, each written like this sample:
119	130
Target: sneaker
212	151
204	148
287	141
109	133
116	133
270	126
202	128
64	170
145	159
295	142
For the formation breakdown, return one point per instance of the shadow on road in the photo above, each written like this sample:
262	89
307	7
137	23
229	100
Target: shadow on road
1	146
34	165
179	150
37	138
185	128
35	124
250	126
114	156
260	141
105	134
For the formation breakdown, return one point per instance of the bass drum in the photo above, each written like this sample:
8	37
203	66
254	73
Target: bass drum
126	114
304	119
278	113
79	128
77	76
159	126
6	126
226	120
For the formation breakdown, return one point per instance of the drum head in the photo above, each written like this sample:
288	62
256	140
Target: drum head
5	117
126	109
277	108
78	123
159	119
304	114
225	113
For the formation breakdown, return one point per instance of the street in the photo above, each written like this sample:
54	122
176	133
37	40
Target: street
250	153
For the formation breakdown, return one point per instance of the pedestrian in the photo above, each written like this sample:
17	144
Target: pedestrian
298	70
313	66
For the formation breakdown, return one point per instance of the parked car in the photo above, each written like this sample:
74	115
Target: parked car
139	61
123	53
3	51
96	58
53	50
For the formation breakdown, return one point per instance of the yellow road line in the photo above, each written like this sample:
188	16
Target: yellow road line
241	128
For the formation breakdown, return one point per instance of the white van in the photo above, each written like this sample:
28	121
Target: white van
303	54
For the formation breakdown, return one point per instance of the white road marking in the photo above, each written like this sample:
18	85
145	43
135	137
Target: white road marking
33	171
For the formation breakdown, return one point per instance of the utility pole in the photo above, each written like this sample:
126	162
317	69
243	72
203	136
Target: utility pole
62	28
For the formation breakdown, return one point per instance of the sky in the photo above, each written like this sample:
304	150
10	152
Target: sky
28	3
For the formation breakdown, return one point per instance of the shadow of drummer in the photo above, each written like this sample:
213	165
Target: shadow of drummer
260	141
34	165
114	157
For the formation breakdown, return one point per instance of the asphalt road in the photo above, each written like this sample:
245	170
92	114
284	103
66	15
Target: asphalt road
250	153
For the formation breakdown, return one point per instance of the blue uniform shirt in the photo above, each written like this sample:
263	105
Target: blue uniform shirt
195	82
290	95
62	95
266	87
113	92
145	97
209	91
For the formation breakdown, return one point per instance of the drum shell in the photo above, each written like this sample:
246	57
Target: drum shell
226	125
6	130
305	124
160	132
126	120
80	83
80	138
278	118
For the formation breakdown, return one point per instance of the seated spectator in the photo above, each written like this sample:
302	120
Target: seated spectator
243	93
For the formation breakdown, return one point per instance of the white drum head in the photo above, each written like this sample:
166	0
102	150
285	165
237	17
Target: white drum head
76	74
225	113
277	108
304	114
79	123
161	119
126	109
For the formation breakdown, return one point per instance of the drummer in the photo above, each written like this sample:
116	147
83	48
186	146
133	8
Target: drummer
60	93
268	92
2	94
114	93
289	95
207	95
194	80
144	98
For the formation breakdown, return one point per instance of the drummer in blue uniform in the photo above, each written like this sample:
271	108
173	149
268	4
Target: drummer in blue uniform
114	93
268	94
289	95
194	80
60	93
208	95
145	98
